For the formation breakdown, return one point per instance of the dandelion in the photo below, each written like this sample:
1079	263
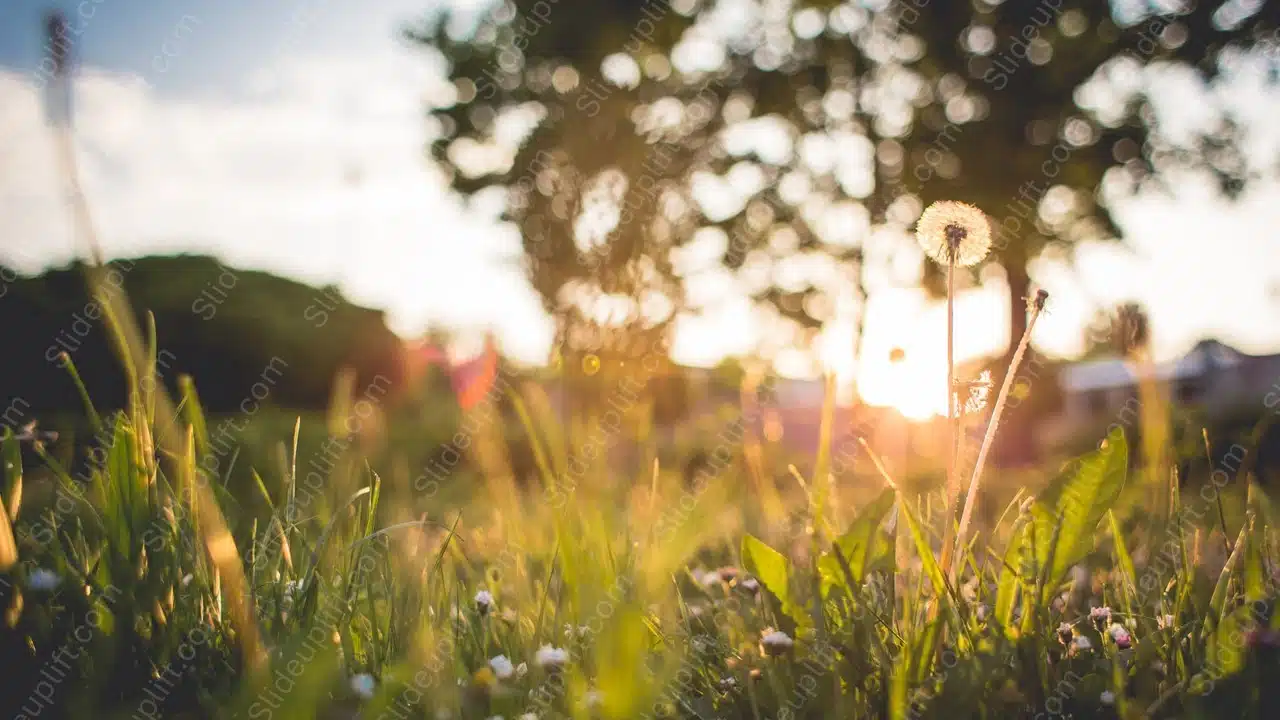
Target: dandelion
1101	617
43	580
951	231
363	685
551	658
502	667
1082	643
1107	697
775	643
484	601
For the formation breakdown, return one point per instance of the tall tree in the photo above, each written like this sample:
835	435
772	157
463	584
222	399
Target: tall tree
630	137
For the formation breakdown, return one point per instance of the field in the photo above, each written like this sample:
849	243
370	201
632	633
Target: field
621	588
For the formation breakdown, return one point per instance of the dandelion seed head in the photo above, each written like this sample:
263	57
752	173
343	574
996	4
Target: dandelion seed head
954	231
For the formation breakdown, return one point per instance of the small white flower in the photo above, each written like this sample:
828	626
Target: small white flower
728	683
522	669
186	579
776	642
551	657
751	584
1117	631
1107	697
363	685
583	631
1164	622
528	716
1082	643
981	613
484	601
43	580
502	667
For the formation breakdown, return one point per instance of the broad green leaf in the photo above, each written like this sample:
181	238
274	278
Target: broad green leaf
1084	499
1228	653
862	545
774	572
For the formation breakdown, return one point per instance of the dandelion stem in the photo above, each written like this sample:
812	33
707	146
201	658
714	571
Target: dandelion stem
971	497
953	419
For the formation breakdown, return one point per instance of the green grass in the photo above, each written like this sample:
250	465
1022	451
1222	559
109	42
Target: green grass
664	592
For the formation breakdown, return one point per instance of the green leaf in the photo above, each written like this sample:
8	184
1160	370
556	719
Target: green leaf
1084	499
774	572
862	545
1255	575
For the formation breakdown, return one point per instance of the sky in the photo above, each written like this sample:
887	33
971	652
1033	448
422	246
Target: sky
289	136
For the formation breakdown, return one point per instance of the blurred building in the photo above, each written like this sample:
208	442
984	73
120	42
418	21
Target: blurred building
1212	377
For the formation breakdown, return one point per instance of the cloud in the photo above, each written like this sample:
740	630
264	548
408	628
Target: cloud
316	171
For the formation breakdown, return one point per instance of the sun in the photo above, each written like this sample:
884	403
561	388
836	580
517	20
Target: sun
909	382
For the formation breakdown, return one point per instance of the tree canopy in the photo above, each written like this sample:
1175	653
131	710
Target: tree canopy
629	141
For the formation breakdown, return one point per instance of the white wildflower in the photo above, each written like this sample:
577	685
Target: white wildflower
484	601
1082	643
551	657
1107	697
502	667
751	584
363	685
522	669
776	642
43	580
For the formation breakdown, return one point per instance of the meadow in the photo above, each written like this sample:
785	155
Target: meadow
618	585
